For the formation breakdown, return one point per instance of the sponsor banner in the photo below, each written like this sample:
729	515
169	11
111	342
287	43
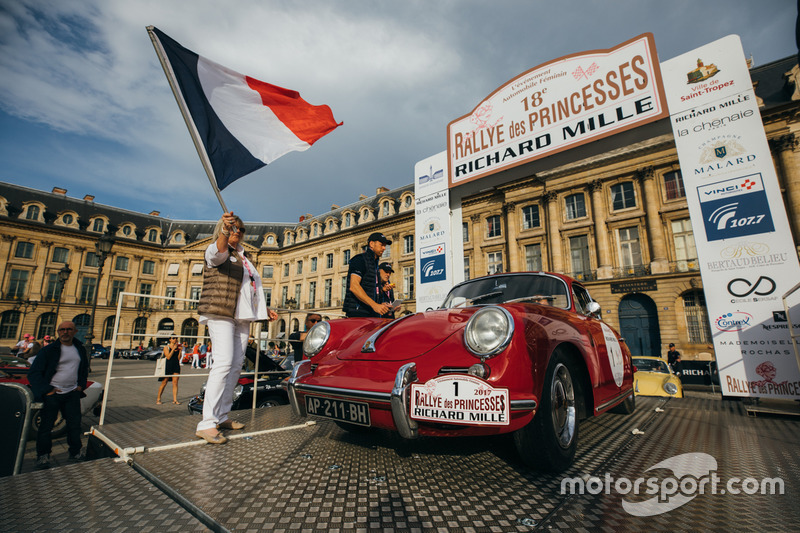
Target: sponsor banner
746	255
460	399
434	274
556	106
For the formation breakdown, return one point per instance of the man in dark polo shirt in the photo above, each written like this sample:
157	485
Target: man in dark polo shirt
362	297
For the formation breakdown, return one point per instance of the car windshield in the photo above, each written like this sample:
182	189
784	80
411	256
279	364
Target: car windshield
650	365
536	288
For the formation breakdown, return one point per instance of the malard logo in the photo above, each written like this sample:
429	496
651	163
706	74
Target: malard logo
432	229
734	321
720	152
725	153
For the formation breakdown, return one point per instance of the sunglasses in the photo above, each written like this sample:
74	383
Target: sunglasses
314	320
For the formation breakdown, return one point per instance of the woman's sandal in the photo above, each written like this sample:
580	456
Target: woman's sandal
176	403
159	402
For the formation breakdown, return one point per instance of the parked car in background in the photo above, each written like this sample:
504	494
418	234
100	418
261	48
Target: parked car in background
271	390
654	377
100	352
152	354
520	353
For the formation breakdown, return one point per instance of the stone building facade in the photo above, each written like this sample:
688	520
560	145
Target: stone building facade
617	220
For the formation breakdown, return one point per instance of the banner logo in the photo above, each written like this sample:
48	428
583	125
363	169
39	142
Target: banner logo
432	263
735	208
741	287
735	321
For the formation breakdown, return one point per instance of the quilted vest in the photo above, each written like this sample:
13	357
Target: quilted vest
221	286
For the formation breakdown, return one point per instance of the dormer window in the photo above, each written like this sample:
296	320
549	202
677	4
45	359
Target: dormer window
98	225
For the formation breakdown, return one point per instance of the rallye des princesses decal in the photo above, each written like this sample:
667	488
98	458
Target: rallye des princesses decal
459	399
614	354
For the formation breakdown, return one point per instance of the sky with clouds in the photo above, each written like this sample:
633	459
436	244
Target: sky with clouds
84	104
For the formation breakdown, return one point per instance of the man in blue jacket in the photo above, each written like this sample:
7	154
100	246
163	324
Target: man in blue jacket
58	378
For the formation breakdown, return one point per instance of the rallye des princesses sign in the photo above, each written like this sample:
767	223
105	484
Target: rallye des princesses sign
460	399
556	106
744	246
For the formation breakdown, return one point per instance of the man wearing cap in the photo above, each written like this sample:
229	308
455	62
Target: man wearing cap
363	281
674	359
22	345
386	293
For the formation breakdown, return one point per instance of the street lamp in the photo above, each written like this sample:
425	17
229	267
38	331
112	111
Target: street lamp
24	305
63	276
103	246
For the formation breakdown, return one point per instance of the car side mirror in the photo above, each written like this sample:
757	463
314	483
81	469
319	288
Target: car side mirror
593	309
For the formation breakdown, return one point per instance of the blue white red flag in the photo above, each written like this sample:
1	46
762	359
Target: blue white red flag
243	123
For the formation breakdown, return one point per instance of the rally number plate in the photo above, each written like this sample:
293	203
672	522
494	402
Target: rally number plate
344	410
460	399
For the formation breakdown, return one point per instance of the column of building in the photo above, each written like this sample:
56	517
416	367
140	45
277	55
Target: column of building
602	241
555	259
659	262
789	180
509	209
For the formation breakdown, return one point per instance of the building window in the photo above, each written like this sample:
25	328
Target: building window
152	235
347	220
386	209
197	269
121	263
408	244
32	213
195	295
145	289
344	287
51	288
407	201
673	184
117	287
170	293
24	250
173	268
67	219
683	236
268	296
267	271
530	217
464	232
8	324
466	269
495	262
408	281
288	239
286	270
299	266
126	230
327	293
17	284
579	254
108	328
313	264
139	329
47	325
312	294
576	206
60	255
346	257
315	229
284	296
270	240
148	267
622	196
88	287
329	261
298	289
98	225
533	257
92	259
694	307
387	252
330	225
493	228
629	248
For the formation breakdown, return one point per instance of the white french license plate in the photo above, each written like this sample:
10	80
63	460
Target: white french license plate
460	399
344	410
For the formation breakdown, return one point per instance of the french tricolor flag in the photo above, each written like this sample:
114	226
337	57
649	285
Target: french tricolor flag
243	123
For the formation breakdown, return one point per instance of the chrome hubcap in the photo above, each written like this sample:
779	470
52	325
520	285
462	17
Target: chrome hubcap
562	406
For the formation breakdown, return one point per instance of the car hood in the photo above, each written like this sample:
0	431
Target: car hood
407	337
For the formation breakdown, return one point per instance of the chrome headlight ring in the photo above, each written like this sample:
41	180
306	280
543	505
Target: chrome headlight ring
489	331
670	388
237	391
316	338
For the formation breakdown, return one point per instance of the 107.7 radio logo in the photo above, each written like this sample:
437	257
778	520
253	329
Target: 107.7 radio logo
735	208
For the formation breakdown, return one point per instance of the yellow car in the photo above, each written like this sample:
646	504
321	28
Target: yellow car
654	377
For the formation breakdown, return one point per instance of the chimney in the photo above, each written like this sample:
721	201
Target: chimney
88	198
155	213
302	218
334	207
381	190
59	190
362	197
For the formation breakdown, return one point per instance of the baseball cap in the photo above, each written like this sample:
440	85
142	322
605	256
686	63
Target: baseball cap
378	236
672	344
386	267
26	336
47	337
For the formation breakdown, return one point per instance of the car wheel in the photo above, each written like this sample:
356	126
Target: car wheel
550	440
59	427
272	401
627	407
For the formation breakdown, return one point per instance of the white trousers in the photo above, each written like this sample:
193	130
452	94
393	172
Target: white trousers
195	360
229	338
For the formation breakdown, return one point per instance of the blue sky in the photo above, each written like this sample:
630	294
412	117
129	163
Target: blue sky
84	104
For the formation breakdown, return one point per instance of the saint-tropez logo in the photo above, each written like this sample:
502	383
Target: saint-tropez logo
735	208
432	263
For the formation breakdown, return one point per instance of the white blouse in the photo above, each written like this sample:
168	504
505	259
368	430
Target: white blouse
251	305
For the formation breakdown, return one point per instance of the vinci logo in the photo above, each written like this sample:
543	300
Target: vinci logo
735	208
432	263
736	321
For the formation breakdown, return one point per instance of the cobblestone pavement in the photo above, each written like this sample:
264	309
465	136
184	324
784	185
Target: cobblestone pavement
129	400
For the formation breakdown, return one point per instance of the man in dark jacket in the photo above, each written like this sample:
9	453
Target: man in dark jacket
363	291
58	378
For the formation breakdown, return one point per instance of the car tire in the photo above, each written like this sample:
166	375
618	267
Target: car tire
272	401
550	440
59	427
627	407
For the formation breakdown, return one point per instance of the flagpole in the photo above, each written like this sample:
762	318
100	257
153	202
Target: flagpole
198	144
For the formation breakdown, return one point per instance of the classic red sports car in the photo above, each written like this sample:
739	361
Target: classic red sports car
521	352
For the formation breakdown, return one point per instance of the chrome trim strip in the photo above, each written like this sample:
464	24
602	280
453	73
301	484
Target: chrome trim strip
615	399
522	405
372	396
300	370
406	375
369	345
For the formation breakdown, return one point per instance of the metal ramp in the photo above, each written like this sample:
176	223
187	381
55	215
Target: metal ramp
285	475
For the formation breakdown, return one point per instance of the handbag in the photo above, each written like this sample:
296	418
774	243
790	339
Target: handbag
161	367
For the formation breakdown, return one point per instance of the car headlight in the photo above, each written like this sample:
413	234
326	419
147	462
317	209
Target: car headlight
203	390
670	387
489	331
316	338
237	392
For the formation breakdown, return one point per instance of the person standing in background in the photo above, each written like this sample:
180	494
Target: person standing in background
361	298
172	369
674	359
